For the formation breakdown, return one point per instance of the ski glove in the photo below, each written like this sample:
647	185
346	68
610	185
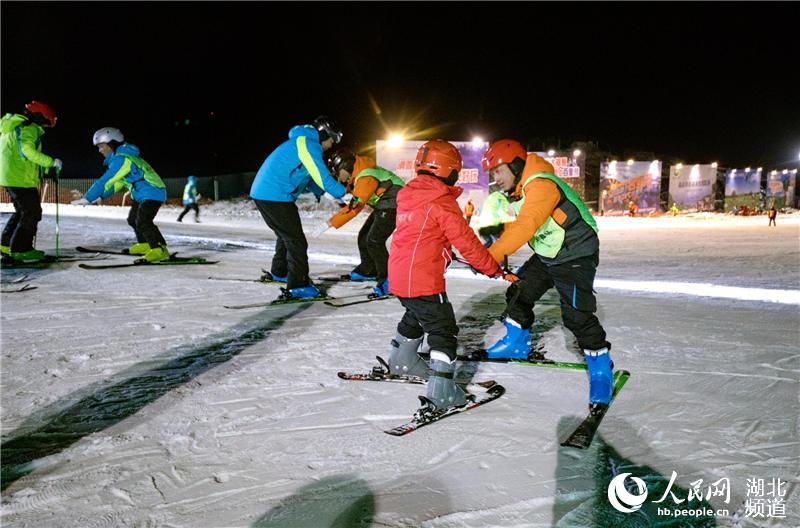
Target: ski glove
82	201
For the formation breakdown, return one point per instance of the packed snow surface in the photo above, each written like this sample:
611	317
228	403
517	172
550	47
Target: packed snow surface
132	397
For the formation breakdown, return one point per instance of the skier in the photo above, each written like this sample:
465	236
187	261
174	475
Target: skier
126	170
190	198
632	208
553	220
469	210
283	176
429	221
674	210
772	214
378	188
21	161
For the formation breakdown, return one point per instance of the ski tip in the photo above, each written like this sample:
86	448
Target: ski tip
342	375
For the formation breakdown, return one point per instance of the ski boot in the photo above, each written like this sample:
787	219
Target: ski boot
139	248
32	255
180	219
268	276
157	254
404	359
516	344
601	377
303	292
357	277
381	290
442	390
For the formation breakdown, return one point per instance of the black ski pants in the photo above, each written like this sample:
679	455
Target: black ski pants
574	281
140	218
372	243
21	228
291	248
189	208
432	315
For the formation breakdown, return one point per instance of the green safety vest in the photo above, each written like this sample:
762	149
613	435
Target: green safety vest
494	210
150	175
549	238
386	180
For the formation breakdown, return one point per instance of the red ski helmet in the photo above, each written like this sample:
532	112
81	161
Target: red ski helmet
503	152
438	157
38	107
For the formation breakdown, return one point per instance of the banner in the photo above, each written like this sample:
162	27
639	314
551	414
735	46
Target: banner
399	158
780	188
629	187
742	188
692	187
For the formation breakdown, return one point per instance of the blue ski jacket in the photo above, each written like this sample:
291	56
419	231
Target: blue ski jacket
127	170
288	170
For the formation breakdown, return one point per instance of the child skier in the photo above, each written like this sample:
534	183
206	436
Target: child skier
21	162
190	197
429	221
148	192
553	220
378	188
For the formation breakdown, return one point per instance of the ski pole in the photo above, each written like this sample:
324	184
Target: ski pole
58	176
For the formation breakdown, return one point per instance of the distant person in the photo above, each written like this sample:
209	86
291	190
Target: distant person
674	210
772	214
555	223
284	175
21	164
377	187
469	210
126	170
632	208
190	198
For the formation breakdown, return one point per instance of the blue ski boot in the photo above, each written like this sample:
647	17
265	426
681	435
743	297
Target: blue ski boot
268	276
601	376
516	344
381	290
305	292
442	390
357	277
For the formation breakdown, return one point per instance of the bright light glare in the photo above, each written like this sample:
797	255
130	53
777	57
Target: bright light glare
576	153
395	140
477	142
747	169
679	166
630	161
714	165
759	169
551	153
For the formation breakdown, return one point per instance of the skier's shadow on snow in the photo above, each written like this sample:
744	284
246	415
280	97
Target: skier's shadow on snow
100	407
333	502
583	477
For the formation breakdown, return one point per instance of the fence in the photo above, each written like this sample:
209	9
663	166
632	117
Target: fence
220	187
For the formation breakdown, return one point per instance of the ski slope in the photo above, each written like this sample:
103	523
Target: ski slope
131	397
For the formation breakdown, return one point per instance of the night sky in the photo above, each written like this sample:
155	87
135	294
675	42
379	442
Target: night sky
693	82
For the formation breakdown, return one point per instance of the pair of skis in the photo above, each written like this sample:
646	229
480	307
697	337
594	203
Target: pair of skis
580	438
173	260
12	286
46	261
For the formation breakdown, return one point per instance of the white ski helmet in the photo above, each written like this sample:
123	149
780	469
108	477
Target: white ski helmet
106	135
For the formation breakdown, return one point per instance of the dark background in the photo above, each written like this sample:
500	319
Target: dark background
698	82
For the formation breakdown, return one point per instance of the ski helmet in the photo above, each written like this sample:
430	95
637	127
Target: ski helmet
107	135
341	159
327	129
502	152
439	158
38	107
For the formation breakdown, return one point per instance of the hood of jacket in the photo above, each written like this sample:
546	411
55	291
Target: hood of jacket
304	130
424	189
126	148
10	121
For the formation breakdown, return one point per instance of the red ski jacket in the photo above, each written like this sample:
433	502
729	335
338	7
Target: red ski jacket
428	222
